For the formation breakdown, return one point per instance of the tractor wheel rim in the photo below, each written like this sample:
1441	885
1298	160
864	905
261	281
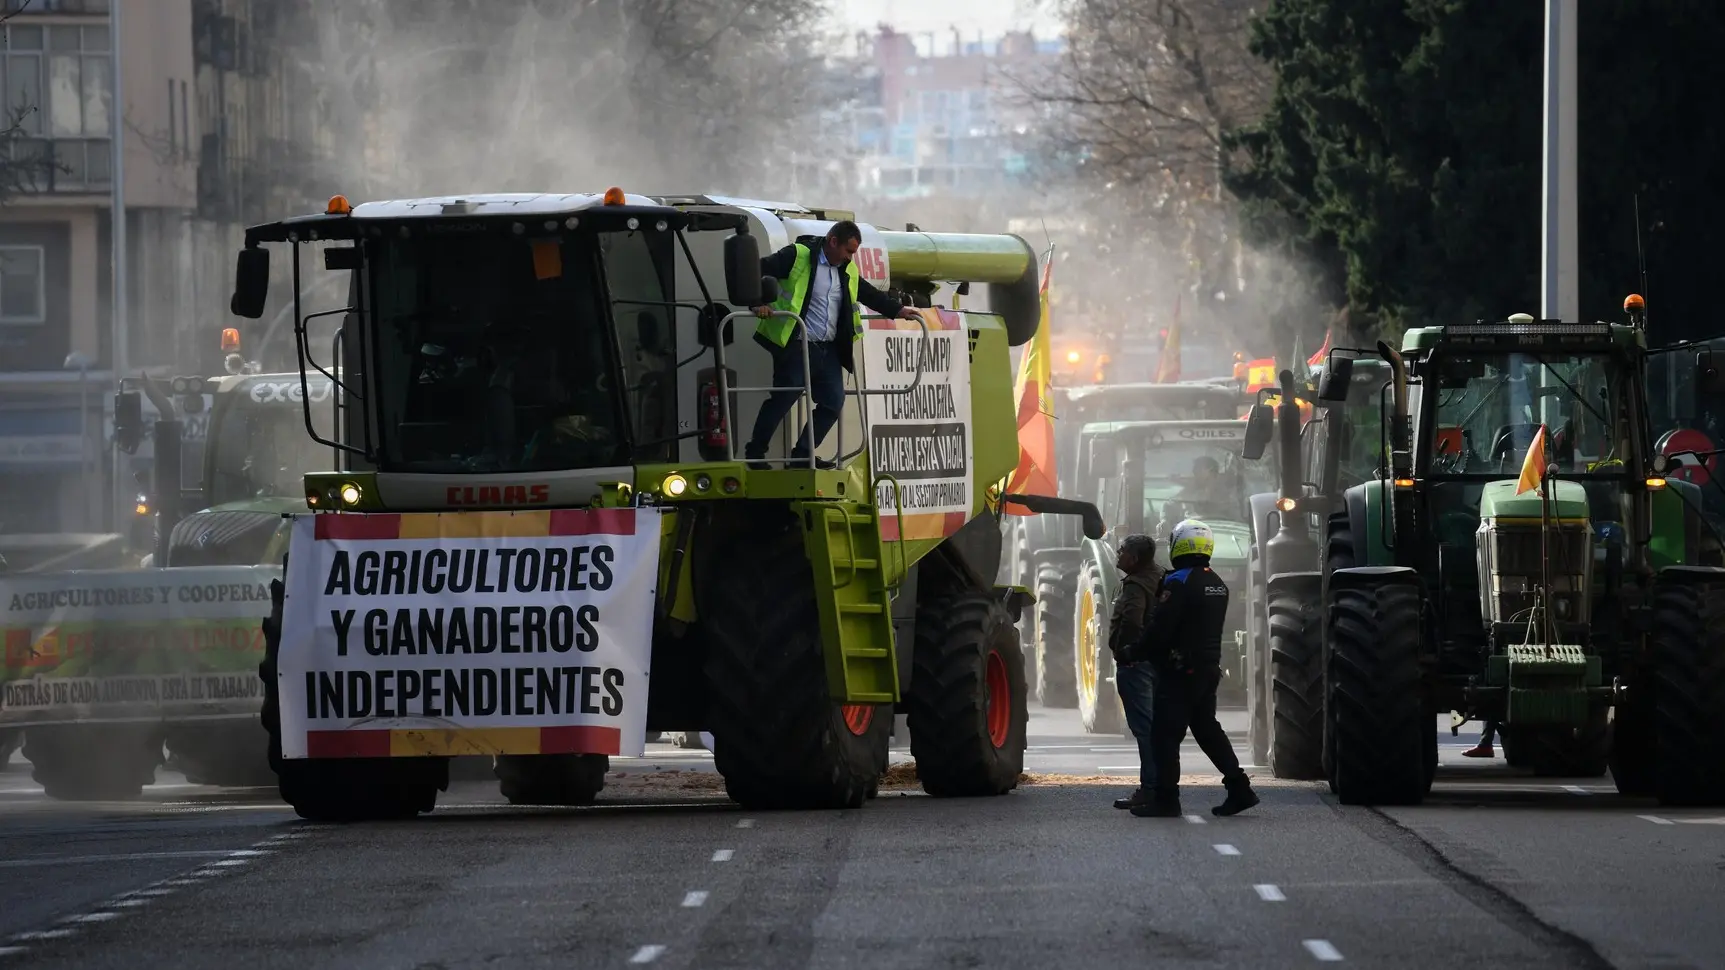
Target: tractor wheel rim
1086	648
858	717
999	700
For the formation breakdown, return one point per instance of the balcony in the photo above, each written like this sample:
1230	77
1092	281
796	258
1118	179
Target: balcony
59	165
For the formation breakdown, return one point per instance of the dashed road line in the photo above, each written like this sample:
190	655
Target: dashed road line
101	916
1269	893
32	935
647	954
1576	790
1656	820
694	898
1322	950
1197	820
745	823
6	951
723	855
1225	850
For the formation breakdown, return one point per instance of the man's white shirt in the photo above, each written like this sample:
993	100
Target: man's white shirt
822	306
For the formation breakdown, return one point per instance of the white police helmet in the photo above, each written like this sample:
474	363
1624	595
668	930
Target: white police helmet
1191	538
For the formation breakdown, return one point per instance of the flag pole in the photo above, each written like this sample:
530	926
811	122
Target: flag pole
1547	477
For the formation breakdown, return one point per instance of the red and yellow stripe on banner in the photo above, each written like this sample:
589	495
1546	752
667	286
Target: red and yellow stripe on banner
455	742
922	525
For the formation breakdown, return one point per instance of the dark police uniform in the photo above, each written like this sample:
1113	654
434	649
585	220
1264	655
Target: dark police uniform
1184	642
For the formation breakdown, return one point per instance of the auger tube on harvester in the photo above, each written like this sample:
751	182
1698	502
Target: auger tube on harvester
543	544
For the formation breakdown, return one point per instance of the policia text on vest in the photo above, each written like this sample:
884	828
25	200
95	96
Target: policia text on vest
819	282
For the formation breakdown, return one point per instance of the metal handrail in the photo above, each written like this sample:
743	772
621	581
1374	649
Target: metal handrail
864	392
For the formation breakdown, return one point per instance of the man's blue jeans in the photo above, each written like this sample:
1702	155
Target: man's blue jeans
1137	685
826	383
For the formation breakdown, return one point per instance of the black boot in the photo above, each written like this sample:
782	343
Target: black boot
1240	797
1162	806
1138	797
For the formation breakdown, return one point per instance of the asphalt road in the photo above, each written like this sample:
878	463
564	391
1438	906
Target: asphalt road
1496	870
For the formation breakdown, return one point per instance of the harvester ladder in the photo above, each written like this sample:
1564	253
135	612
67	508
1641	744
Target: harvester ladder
844	546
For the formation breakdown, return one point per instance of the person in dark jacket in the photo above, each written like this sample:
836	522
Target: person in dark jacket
820	283
1135	681
1183	640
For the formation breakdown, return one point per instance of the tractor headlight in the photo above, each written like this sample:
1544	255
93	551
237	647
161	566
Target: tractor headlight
675	485
350	494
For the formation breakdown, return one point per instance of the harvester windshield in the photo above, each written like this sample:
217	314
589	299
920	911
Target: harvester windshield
262	452
1490	406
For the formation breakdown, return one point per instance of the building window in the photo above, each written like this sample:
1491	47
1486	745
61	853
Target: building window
57	86
22	293
54	6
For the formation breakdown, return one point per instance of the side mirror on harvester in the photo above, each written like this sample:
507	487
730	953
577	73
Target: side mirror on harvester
743	270
1260	428
251	283
1334	386
128	421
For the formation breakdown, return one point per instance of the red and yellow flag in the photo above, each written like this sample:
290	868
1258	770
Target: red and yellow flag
1035	474
1533	466
1168	364
1317	359
1260	373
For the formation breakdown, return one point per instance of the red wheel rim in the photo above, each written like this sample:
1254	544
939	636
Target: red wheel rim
999	700
858	717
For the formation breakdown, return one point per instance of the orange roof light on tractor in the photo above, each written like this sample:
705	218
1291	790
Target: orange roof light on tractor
614	196
339	206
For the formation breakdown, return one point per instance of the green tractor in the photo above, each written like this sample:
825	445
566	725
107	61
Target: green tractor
1317	460
1149	475
1044	553
799	605
1558	596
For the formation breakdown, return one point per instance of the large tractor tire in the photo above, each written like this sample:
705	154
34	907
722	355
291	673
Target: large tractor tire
1689	694
341	789
1297	677
1099	706
1055	683
93	762
551	779
966	705
780	739
1375	702
10	742
1338	554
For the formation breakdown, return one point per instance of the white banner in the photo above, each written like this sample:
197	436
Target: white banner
920	438
513	633
131	644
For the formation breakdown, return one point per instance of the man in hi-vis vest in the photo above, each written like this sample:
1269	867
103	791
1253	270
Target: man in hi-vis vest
819	282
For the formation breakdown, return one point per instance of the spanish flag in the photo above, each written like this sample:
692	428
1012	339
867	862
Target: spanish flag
1533	466
1035	474
1168	364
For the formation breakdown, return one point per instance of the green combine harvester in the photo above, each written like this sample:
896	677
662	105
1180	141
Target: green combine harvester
800	604
1571	611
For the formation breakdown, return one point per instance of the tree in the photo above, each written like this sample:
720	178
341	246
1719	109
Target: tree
24	162
1402	151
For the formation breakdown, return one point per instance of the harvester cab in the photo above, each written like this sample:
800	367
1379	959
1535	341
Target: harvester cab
553	383
1521	561
1150	475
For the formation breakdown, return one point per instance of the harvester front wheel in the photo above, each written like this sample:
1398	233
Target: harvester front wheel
1055	683
1375	704
779	738
1098	699
1297	704
340	789
966	704
551	779
1689	694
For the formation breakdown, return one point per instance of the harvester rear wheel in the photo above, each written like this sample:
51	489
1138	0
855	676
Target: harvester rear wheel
1375	705
1297	667
341	789
1055	681
779	739
966	704
1099	706
93	762
551	779
1689	695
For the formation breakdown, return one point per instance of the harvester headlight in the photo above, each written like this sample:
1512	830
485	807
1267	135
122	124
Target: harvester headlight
703	482
661	225
633	223
675	485
1285	504
1656	483
350	494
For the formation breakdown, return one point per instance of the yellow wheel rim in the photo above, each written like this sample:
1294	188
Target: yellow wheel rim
1086	647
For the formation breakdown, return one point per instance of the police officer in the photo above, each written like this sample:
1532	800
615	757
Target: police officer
1136	681
1183	640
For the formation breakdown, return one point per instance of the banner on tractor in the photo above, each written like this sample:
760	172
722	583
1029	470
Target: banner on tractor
132	644
920	439
468	633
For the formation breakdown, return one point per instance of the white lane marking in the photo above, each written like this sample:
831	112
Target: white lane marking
151	891
6	951
248	852
1656	820
647	954
694	898
1322	950
1197	820
1225	850
59	934
723	855
1576	790
1269	893
1701	821
230	862
116	857
101	917
745	823
131	903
